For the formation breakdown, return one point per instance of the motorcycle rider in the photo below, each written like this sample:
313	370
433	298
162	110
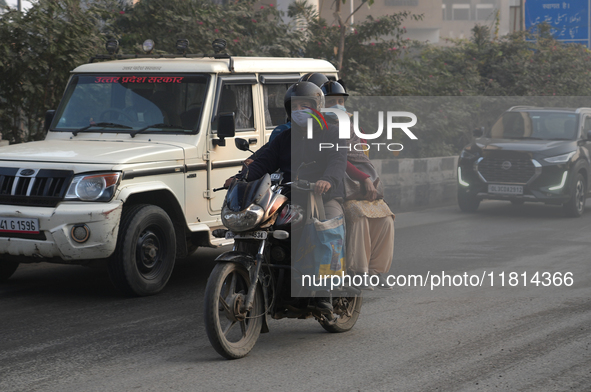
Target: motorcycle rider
293	147
318	79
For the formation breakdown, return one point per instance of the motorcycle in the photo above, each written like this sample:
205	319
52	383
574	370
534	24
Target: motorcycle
253	281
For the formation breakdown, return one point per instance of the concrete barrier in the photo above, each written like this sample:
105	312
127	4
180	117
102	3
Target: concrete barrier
412	184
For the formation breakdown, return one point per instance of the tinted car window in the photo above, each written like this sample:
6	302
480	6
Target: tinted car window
134	101
535	125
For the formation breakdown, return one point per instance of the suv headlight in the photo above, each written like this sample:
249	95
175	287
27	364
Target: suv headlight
560	158
93	187
242	220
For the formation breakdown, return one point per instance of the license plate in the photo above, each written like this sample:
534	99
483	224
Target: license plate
506	189
256	235
18	225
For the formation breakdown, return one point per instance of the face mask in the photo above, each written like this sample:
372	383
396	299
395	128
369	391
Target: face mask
341	107
301	117
333	116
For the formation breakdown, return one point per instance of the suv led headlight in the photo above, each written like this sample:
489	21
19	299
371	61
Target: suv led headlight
93	187
560	158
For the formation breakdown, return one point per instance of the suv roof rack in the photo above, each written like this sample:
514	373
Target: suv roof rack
113	46
163	56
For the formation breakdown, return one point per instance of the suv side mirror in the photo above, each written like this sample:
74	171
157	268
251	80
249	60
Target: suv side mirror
478	132
49	115
226	128
242	144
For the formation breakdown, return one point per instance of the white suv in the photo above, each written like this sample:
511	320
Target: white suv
132	154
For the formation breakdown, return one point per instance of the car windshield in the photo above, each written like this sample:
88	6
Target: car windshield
541	125
128	103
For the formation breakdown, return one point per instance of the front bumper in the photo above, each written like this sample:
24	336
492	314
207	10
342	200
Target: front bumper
55	226
543	187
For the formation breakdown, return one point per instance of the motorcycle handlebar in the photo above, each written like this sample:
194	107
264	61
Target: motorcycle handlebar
301	185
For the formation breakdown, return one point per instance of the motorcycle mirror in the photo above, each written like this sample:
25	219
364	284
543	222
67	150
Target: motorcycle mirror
241	144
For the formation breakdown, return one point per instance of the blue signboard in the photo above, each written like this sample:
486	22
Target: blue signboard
569	18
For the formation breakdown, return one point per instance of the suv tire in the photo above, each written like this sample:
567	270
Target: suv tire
575	207
467	201
146	251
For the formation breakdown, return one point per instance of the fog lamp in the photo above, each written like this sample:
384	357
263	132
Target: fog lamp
182	46
80	233
148	46
112	46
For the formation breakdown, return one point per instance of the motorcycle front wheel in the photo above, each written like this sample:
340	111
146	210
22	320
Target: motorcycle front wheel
231	333
347	311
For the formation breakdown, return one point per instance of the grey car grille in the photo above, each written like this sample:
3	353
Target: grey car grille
518	171
44	187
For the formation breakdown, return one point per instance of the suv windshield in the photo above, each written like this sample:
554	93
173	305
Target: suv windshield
150	103
544	125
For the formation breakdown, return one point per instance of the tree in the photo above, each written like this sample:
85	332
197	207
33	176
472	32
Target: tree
362	55
343	26
248	31
39	49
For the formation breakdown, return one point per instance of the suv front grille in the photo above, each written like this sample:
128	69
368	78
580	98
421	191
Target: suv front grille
43	188
520	170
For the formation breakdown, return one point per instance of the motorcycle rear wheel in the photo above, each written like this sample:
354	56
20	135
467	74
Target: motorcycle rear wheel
347	310
230	333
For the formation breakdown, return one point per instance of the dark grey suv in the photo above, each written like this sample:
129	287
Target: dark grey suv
530	154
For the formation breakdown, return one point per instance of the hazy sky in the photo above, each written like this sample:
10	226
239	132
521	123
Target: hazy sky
12	3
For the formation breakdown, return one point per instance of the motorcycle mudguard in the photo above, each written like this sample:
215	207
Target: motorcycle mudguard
247	262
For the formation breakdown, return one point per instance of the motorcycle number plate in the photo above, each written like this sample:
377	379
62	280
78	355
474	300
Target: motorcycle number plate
255	235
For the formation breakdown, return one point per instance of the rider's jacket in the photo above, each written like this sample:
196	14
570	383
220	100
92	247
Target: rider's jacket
291	148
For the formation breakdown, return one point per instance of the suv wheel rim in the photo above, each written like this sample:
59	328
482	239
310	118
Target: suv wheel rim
149	253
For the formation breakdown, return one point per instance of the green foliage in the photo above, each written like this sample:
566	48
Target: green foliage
38	50
370	49
248	31
520	64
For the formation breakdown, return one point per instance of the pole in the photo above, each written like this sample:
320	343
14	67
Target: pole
19	6
521	15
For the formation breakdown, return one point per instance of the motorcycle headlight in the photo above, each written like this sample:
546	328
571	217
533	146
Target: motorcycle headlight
242	220
560	158
93	187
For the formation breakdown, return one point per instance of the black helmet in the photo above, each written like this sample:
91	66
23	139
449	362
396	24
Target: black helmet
317	78
334	88
304	90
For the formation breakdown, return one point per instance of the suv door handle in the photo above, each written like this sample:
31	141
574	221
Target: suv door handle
252	140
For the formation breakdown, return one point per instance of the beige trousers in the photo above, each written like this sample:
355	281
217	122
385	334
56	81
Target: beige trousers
370	245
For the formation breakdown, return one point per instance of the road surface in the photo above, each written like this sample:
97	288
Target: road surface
64	328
